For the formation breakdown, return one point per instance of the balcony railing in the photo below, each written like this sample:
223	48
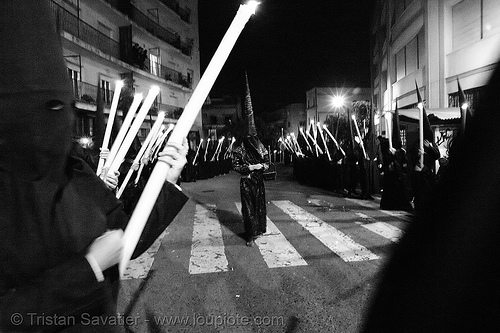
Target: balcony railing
156	29
86	92
184	13
169	74
70	23
172	112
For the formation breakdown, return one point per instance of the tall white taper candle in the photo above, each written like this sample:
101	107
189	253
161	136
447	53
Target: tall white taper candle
155	183
123	129
421	131
359	136
109	125
197	151
140	154
132	132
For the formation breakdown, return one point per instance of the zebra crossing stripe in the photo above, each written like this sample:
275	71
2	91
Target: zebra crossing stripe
335	240
395	213
275	248
383	229
140	266
207	249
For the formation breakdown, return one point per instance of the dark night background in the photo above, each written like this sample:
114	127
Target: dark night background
289	47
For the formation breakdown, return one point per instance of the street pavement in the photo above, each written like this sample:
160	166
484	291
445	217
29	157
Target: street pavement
313	271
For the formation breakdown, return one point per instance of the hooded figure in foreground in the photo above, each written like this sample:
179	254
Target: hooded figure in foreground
443	276
250	159
60	227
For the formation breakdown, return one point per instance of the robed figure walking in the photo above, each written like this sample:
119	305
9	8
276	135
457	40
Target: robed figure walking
250	159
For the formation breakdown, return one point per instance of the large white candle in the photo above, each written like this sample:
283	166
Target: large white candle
206	150
324	141
333	138
197	151
155	183
161	139
388	123
421	131
132	132
109	125
359	136
140	154
318	149
305	138
216	150
123	130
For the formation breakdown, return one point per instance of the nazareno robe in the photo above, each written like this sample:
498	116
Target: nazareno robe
52	204
253	194
443	275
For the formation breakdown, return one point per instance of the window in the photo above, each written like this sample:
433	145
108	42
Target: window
399	8
410	57
473	97
474	20
75	77
466	23
154	61
491	18
106	91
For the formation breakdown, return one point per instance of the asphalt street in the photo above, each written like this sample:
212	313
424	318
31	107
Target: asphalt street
313	271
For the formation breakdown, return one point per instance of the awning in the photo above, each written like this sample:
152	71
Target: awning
441	113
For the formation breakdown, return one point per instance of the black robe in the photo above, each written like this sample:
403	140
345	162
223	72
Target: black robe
53	206
396	194
253	194
443	275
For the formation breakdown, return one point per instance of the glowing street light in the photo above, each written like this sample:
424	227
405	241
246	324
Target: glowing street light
338	101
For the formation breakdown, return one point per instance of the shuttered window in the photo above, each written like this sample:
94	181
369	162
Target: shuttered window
491	18
411	56
466	23
400	64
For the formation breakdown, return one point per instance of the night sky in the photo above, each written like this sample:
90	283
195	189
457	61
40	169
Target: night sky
288	47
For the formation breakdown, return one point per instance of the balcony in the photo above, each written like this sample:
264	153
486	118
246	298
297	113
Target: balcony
171	112
87	93
157	30
153	27
184	13
170	74
66	21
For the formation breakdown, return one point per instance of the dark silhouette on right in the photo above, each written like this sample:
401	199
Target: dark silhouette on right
443	276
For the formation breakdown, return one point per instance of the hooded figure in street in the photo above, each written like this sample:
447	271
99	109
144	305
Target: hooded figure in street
423	179
250	159
396	194
443	275
60	227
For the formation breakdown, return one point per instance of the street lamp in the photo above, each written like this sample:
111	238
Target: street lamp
338	101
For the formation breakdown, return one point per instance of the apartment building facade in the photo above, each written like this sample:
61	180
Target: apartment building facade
435	43
141	42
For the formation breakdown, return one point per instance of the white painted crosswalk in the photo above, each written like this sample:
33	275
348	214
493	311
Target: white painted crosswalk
383	229
373	205
208	251
335	240
276	250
